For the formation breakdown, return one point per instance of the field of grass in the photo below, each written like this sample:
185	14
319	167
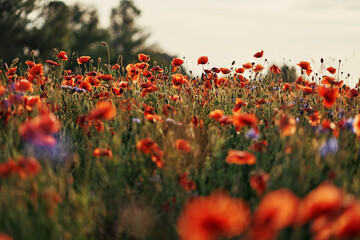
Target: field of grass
148	152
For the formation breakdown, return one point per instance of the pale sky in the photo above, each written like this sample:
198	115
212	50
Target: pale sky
230	30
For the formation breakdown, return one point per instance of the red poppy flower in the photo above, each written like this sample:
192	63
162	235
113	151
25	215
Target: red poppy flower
259	54
356	125
104	110
202	60
347	225
4	236
352	93
329	96
304	65
30	63
287	125
225	70
52	63
106	77
247	66
157	69
258	182
143	57
216	114
146	145
238	104
175	63
102	152
324	199
240	157
37	70
275	69
116	67
24	86
2	90
178	80
83	59
188	185
276	211
62	55
258	68
240	70
331	70
39	130
213	217
86	85
182	145
245	119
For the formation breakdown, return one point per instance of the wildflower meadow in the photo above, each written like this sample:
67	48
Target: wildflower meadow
146	151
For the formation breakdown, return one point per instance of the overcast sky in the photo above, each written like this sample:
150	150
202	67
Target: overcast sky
230	30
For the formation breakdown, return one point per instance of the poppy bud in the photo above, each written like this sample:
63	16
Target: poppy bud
321	60
91	61
99	60
104	43
14	62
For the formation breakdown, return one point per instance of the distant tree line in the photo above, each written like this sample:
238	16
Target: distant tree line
38	27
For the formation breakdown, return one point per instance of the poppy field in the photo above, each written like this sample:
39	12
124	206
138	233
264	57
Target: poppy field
144	151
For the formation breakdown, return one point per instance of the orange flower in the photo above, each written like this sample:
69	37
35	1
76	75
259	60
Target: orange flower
238	104
86	85
178	80
315	119
276	211
225	70
258	182
146	145
4	236
2	90
240	70
24	86
39	129
202	60
247	66
52	63
245	119
216	114
305	66
240	157
329	96
157	69
24	167
324	199
259	54
102	152
36	70
350	94
83	59
275	69
62	55
287	125
104	110
175	63
213	217
106	77
331	70
183	145
143	57
356	125
347	225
